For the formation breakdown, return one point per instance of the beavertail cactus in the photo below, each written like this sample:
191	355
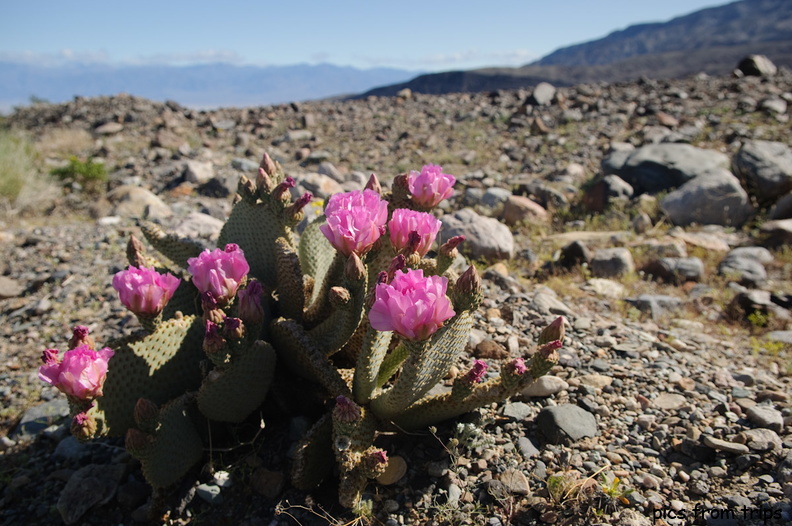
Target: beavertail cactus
358	288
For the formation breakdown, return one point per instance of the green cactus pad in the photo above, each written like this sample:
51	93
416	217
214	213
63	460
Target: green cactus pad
231	393
375	346
427	364
176	249
291	291
255	227
177	445
316	253
159	366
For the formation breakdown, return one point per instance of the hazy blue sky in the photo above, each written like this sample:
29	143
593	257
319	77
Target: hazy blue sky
430	35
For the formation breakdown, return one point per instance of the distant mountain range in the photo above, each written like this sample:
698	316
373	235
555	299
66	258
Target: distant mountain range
711	40
202	86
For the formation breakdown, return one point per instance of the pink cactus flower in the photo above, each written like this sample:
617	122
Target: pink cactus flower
355	221
144	290
404	222
251	309
430	186
412	305
80	374
518	366
219	271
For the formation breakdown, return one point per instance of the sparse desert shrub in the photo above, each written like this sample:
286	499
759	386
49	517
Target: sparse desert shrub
16	164
88	174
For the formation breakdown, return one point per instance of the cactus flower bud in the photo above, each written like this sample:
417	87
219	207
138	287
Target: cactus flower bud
219	272
449	248
250	298
281	191
233	328
295	211
83	426
136	252
267	164
144	291
346	411
80	374
477	372
406	224
146	414
374	462
554	331
545	358
355	221
136	441
430	186
263	181
213	341
396	264
339	296
211	311
412	305
354	269
517	366
80	337
374	185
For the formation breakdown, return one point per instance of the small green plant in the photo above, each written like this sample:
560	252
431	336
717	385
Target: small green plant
758	319
88	174
563	486
16	164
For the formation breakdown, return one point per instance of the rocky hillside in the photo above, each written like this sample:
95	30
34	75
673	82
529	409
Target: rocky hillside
653	215
708	41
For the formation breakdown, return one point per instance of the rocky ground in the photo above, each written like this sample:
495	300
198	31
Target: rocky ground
671	403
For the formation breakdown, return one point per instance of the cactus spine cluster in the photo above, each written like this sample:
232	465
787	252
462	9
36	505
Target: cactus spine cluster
213	358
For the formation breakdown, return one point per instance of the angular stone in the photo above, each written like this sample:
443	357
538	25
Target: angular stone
485	237
92	485
766	417
669	401
545	386
612	262
566	421
515	481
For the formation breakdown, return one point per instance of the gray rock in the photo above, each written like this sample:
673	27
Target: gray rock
723	445
40	417
10	288
616	157
198	225
92	485
612	262
484	237
714	198
515	481
776	233
757	65
495	197
199	172
748	271
527	448
320	185
564	421
774	105
760	439
137	202
70	448
781	209
209	493
109	128
657	305
545	386
327	168
760	254
517	410
660	167
766	166
542	94
605	192
245	165
676	270
546	303
766	417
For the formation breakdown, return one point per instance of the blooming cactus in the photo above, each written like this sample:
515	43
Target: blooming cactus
404	222
355	221
219	272
430	186
412	305
144	291
80	374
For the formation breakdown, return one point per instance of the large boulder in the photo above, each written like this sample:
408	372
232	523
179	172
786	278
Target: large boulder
757	65
485	237
659	167
715	198
766	167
